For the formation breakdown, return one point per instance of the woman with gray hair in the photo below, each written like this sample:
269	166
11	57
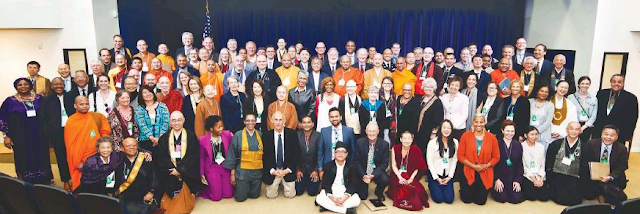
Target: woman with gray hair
373	110
430	115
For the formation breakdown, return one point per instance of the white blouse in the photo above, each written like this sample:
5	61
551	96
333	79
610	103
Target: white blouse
437	164
572	115
456	109
323	111
104	106
533	159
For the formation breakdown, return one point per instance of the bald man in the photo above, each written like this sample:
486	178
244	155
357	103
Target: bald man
178	164
65	74
281	157
144	54
82	131
345	73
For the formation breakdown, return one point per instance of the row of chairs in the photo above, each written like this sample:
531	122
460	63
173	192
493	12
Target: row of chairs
18	197
631	206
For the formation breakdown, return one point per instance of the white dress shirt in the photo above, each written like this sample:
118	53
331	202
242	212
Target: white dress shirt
67	83
337	187
316	80
456	109
275	142
63	113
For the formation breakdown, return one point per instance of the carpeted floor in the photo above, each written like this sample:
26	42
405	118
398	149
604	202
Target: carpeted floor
305	204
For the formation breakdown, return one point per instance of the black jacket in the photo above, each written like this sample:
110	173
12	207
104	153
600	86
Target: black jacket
624	114
188	167
271	81
291	155
144	182
350	174
380	117
495	115
309	155
521	114
380	156
619	161
51	115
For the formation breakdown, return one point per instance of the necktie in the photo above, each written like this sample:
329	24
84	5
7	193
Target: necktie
605	155
361	68
117	52
335	138
537	68
333	68
280	154
306	140
83	93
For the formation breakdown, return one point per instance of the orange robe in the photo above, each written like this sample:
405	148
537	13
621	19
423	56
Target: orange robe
204	110
289	76
342	76
289	112
214	79
162	73
81	133
402	77
372	78
497	76
146	58
167	62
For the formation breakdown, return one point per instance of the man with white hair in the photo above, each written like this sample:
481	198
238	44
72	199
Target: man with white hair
361	63
332	62
187	42
232	45
96	70
281	158
372	160
465	60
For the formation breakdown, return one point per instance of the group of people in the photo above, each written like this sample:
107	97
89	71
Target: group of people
153	130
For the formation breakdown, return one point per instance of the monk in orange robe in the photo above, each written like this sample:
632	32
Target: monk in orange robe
401	76
283	106
82	131
213	77
346	73
156	69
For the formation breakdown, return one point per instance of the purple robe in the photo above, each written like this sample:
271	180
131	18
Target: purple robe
217	176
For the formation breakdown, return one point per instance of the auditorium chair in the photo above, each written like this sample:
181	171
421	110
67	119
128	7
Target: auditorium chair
54	200
629	206
100	204
15	196
588	209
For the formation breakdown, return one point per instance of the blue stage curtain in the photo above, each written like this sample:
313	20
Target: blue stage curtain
163	21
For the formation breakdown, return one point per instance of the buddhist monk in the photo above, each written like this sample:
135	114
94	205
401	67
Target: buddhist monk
81	133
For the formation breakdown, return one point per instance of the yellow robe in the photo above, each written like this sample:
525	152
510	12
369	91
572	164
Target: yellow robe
371	78
168	64
81	133
42	86
288	76
289	112
204	110
402	77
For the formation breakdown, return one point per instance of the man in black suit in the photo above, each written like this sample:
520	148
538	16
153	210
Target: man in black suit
554	75
338	192
543	66
65	74
520	52
449	71
508	52
307	175
105	59
96	70
483	76
81	87
118	48
361	61
608	150
281	158
207	44
316	75
427	69
617	107
387	60
272	62
54	112
183	66
372	160
333	65
187	42
321	50
270	79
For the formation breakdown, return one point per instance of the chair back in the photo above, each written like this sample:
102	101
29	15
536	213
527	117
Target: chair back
99	204
629	206
16	197
54	200
588	209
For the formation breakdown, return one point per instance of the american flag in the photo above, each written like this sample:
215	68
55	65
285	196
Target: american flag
207	23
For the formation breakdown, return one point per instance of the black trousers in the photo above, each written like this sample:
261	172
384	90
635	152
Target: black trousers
586	134
474	193
533	193
381	183
57	142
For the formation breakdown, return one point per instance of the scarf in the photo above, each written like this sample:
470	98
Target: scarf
473	103
559	114
574	168
183	145
424	109
132	175
523	76
367	105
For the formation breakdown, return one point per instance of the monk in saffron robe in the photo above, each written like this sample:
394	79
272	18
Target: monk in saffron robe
346	73
82	131
285	107
156	69
116	74
209	106
401	76
213	77
172	98
288	73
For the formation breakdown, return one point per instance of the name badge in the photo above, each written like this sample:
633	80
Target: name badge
510	116
532	167
372	115
403	169
509	163
31	113
341	82
259	118
219	159
583	116
526	88
534	120
353	110
111	182
118	85
387	113
145	67
286	82
175	154
566	161
92	134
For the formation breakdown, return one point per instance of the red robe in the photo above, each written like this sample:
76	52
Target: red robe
173	100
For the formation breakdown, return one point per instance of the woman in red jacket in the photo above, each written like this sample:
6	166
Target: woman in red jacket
478	151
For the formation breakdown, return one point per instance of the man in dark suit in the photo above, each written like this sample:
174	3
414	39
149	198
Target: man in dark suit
329	136
187	44
281	158
608	150
105	60
332	64
617	107
338	192
118	48
81	85
427	69
321	50
272	62
207	44
520	52
372	160
483	76
508	52
96	70
449	71
65	74
307	175
54	112
543	65
269	78
361	61
316	75
183	65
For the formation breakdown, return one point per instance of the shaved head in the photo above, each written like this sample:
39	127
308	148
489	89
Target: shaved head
81	104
